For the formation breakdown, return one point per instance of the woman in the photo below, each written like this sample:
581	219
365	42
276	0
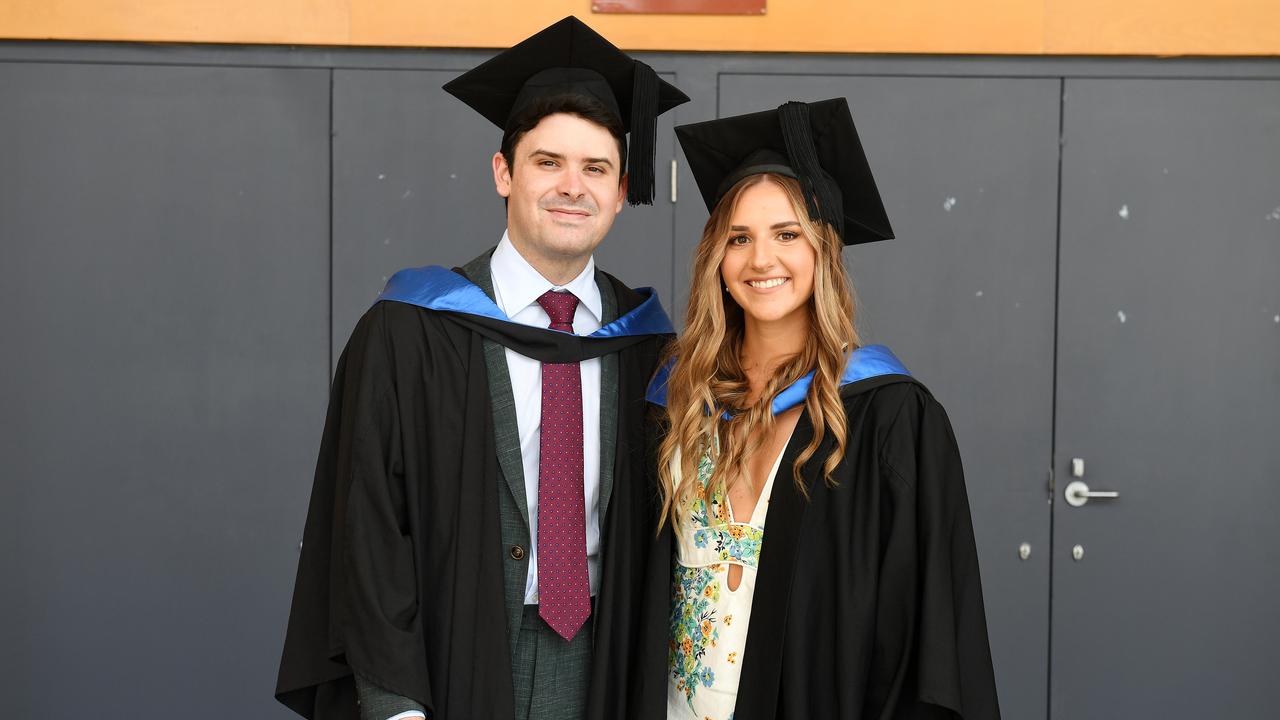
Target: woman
813	499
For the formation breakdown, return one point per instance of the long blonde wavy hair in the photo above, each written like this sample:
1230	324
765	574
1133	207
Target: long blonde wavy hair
708	377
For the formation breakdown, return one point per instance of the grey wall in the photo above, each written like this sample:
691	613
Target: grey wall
164	279
187	235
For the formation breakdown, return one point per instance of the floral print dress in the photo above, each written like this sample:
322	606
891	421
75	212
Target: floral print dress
708	628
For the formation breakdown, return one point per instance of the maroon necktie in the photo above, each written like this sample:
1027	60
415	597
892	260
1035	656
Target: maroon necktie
564	592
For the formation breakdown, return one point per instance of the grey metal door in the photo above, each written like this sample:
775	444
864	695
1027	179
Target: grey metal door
968	169
1168	391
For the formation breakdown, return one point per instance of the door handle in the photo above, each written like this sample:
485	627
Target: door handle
1078	493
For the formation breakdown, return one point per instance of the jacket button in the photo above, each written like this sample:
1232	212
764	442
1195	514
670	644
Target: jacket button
517	552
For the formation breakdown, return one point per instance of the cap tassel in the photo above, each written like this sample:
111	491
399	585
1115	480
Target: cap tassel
644	131
820	194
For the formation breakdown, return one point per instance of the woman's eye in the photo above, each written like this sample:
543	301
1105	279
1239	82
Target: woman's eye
739	240
788	235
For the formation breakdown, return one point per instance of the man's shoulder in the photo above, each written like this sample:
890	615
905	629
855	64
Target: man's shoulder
392	316
399	328
624	295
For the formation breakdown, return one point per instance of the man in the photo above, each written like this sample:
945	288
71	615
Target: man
478	529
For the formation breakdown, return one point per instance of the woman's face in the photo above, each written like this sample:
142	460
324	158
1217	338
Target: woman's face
768	262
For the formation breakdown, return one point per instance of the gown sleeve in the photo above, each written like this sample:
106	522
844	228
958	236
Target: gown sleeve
355	598
943	667
378	704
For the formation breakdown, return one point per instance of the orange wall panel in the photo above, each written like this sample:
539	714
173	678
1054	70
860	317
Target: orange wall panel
223	21
1005	26
1163	27
1032	27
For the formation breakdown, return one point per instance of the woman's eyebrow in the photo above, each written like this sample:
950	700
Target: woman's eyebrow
775	226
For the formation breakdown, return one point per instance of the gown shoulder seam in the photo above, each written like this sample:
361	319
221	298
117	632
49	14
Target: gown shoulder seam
882	452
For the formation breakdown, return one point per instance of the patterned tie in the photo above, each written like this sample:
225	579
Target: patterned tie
564	590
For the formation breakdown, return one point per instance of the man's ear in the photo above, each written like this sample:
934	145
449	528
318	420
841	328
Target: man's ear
501	175
622	193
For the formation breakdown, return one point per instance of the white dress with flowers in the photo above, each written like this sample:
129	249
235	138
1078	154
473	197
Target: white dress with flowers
708	620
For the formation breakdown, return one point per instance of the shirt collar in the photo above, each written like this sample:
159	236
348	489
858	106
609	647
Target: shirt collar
517	285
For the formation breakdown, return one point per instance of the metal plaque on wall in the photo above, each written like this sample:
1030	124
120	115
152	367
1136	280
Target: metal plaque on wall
680	7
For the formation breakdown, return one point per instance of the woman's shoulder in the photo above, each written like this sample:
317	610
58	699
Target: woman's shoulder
885	395
902	423
875	378
901	407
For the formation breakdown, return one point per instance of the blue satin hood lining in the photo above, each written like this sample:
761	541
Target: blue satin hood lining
866	362
437	288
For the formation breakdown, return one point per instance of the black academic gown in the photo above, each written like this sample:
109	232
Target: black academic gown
868	603
400	576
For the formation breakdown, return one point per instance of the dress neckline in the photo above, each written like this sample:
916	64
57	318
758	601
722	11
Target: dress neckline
763	500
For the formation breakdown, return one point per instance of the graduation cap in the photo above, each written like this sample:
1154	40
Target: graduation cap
570	58
815	143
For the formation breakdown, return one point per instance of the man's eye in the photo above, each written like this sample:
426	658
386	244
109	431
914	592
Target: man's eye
547	163
596	170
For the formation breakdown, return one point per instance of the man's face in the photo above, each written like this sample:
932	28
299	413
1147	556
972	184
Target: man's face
563	188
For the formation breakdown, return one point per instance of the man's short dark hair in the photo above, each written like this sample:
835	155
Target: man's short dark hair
584	107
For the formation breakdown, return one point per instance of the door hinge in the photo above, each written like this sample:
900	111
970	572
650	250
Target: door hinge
673	181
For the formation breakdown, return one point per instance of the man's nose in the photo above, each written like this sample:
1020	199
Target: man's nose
571	185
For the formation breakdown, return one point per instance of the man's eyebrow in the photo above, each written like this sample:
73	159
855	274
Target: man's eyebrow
557	156
775	226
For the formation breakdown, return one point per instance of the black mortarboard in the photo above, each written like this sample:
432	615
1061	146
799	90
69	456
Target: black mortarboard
571	58
816	143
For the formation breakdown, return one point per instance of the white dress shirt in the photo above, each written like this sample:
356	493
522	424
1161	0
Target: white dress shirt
516	289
